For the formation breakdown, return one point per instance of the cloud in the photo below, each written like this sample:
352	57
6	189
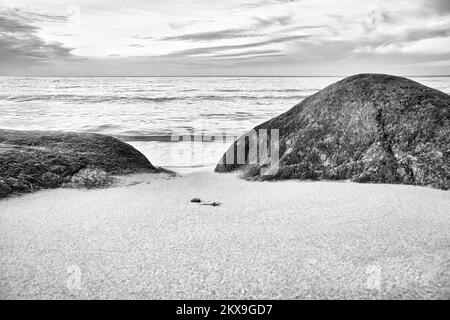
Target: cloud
264	3
211	35
441	7
425	33
304	28
434	46
32	17
11	25
180	25
215	49
409	40
214	37
248	53
19	42
269	21
233	33
427	47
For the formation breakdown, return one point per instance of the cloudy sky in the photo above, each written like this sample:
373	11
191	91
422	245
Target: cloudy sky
217	37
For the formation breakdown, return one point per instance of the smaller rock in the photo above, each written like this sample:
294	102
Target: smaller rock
5	190
214	204
197	200
92	178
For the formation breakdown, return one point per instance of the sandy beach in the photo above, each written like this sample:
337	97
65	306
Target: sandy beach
292	240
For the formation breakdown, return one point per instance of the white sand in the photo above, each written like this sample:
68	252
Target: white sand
287	239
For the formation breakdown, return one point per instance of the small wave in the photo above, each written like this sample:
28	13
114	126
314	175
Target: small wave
70	87
261	90
100	128
230	115
177	137
133	99
86	99
144	138
243	97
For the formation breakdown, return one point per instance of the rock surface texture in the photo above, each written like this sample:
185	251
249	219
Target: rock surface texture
367	128
32	160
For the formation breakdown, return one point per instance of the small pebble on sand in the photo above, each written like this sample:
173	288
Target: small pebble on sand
214	204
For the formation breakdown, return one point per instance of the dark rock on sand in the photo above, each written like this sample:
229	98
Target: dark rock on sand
213	204
197	200
368	128
31	160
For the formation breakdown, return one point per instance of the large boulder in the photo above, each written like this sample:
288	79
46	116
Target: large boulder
367	128
31	160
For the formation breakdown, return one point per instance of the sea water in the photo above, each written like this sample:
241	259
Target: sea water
151	113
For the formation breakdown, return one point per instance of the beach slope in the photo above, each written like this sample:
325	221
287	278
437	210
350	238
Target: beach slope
288	239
